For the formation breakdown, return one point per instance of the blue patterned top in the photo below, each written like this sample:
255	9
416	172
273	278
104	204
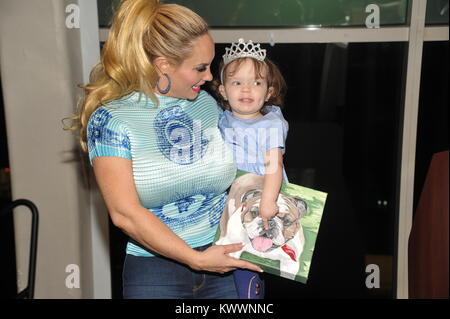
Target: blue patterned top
249	139
181	165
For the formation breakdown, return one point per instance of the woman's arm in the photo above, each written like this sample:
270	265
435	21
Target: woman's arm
273	177
115	180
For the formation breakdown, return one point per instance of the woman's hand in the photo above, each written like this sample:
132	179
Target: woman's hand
216	259
267	211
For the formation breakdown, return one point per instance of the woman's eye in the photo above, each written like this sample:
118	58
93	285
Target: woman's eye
202	69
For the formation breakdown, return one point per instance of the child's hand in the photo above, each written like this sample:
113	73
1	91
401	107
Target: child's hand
267	210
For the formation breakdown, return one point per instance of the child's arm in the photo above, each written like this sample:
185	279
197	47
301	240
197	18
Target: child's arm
273	177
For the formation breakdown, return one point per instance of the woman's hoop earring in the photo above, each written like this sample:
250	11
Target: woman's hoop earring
168	86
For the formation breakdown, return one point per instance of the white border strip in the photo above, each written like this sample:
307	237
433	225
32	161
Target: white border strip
103	34
319	35
304	35
412	90
101	266
436	34
313	35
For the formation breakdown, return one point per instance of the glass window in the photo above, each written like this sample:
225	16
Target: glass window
283	13
105	11
437	12
344	106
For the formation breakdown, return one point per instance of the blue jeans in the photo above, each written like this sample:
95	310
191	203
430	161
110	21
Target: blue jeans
162	278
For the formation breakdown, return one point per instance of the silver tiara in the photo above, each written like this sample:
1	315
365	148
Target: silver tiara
243	49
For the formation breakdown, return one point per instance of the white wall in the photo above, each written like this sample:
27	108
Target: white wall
41	62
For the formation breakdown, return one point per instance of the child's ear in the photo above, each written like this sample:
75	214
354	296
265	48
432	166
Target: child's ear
269	93
222	92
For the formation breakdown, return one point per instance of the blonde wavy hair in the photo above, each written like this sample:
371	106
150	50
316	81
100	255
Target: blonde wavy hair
141	31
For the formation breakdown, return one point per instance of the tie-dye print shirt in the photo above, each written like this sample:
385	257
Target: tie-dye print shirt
181	165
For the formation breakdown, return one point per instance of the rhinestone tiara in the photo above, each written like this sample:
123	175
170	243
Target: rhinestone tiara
243	49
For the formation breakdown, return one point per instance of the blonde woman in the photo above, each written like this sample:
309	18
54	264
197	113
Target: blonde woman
157	154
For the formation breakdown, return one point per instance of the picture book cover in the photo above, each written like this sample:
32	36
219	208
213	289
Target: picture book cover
286	248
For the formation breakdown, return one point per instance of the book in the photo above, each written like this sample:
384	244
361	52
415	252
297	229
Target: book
286	248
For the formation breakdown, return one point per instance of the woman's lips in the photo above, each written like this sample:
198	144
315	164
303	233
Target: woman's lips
197	88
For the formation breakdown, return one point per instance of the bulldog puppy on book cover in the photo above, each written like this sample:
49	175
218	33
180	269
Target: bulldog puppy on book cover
283	241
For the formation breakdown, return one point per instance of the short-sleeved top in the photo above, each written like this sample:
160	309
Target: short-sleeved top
181	165
249	139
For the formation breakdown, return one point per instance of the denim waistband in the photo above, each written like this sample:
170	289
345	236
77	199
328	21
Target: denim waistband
200	248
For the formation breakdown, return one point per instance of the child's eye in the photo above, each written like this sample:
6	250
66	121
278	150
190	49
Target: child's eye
235	83
257	83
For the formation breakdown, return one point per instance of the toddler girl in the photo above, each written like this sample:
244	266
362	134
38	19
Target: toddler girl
251	91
